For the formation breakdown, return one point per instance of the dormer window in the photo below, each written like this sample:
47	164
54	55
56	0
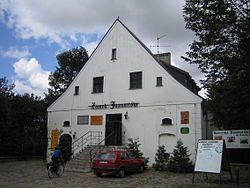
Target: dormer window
114	53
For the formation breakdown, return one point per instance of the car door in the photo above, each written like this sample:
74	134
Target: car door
134	163
127	161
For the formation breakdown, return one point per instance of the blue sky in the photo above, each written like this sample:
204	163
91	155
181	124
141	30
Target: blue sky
32	33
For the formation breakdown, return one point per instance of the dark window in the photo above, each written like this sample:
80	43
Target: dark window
82	120
166	121
98	84
159	81
124	156
76	90
106	156
135	80
66	123
113	54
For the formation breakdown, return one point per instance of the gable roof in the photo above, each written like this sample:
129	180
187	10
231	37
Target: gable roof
180	75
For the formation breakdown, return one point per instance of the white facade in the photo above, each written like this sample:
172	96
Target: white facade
144	121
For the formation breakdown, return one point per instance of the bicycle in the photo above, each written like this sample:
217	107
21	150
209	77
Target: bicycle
55	170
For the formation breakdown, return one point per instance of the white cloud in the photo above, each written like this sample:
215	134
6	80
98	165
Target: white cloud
55	19
25	68
90	47
14	52
22	88
31	76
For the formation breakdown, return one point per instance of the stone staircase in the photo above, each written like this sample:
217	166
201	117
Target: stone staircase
82	161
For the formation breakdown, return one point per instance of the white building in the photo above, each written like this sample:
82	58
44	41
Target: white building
124	92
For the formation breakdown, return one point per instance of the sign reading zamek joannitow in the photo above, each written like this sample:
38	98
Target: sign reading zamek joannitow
113	105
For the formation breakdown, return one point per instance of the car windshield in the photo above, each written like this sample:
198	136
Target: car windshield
106	156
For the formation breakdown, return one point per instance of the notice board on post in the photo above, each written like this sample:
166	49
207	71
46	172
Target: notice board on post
209	156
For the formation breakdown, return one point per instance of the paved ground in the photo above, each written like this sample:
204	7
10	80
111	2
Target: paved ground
32	173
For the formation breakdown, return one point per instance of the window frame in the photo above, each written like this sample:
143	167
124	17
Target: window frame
82	123
66	124
114	54
98	84
77	89
135	80
166	122
159	81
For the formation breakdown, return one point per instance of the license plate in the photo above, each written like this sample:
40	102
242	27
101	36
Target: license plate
103	162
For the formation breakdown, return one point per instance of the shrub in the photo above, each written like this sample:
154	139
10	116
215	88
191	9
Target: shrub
161	159
135	151
179	161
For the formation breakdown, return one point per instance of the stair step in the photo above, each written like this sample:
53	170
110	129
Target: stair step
82	163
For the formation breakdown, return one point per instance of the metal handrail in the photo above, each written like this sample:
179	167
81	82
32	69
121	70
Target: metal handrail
83	141
99	144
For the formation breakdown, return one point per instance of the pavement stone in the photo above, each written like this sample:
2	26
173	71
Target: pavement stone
33	173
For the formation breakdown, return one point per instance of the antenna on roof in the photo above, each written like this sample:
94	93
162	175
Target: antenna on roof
158	44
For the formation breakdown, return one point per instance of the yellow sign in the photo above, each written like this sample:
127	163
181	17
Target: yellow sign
96	120
54	139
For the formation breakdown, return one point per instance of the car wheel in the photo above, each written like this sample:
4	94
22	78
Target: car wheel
121	173
98	174
141	169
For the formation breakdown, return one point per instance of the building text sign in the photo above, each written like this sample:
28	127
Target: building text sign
113	105
209	156
233	138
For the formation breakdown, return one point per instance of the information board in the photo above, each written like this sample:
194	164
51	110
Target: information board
209	156
234	138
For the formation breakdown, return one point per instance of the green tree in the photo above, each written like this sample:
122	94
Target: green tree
70	63
22	123
161	159
6	94
221	51
179	161
133	147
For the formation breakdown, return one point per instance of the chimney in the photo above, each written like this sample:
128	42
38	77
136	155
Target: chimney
164	58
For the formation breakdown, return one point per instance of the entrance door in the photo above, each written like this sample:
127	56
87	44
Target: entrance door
113	133
65	143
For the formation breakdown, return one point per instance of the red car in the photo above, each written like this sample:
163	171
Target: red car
116	162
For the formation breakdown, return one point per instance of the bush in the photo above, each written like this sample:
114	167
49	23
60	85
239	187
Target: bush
179	161
161	159
135	151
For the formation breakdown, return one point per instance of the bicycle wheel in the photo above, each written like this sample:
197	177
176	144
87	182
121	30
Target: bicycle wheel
60	170
50	172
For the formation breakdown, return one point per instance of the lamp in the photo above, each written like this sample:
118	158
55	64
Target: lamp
126	115
74	135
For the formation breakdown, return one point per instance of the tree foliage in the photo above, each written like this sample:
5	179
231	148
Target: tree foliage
70	63
161	159
221	51
22	123
179	161
133	147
